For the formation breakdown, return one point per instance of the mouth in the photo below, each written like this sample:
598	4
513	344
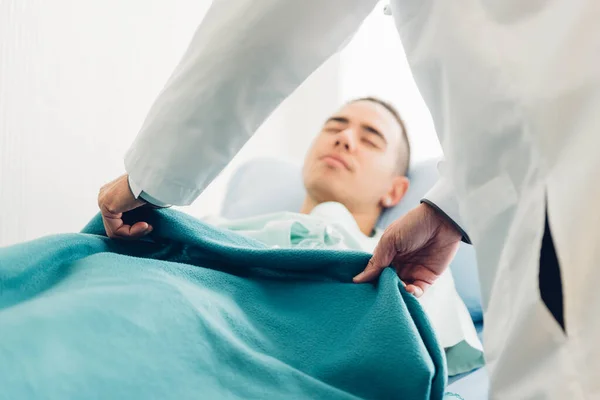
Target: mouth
335	161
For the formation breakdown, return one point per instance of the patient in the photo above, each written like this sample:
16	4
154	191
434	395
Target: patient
359	159
192	309
356	168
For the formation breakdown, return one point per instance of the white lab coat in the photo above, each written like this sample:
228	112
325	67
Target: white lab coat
514	90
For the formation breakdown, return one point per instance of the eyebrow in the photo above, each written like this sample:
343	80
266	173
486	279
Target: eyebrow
366	127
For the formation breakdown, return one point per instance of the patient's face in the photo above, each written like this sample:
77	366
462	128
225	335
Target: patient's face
354	159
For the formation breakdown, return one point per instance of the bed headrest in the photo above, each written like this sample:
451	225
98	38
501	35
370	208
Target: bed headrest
261	186
266	185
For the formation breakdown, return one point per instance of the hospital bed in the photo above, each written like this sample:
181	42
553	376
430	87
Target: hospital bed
265	185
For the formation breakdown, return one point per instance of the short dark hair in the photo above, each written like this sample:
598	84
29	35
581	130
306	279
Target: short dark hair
402	164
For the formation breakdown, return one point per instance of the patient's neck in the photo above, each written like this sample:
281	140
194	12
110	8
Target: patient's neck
366	220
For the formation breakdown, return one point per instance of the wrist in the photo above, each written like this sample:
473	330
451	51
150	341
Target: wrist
143	196
448	223
133	193
151	201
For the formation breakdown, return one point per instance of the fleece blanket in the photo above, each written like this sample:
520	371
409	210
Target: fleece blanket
193	311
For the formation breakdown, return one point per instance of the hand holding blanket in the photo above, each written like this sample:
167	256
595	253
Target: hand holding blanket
192	311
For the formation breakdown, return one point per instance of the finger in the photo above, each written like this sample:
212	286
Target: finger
112	223
140	229
369	274
418	276
116	228
112	208
107	228
415	290
418	288
136	231
382	257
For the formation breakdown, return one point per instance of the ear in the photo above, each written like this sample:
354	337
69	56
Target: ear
396	192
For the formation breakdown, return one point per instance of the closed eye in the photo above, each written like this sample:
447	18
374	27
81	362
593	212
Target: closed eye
370	143
374	133
336	124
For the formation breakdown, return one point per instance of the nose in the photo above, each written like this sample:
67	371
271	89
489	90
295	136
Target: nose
345	140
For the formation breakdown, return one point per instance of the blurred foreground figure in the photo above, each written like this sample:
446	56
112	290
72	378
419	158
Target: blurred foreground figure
514	91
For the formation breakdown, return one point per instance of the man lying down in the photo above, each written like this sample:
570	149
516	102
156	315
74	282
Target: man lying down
354	170
198	311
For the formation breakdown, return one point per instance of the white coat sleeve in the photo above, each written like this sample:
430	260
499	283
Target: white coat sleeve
443	199
245	58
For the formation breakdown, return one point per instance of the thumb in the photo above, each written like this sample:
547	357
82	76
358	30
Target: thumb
382	257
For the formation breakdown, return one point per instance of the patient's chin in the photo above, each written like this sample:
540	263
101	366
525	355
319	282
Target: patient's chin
325	190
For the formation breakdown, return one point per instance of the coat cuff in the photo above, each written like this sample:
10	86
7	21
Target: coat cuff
442	199
146	180
139	193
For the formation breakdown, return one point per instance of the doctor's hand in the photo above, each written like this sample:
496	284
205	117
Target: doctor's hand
419	246
114	199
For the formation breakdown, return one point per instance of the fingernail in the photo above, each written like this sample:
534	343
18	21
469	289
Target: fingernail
357	277
414	290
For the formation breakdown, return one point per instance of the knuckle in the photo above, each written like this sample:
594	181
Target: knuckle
109	207
373	265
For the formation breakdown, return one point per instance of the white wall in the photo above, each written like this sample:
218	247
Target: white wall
374	64
76	80
78	76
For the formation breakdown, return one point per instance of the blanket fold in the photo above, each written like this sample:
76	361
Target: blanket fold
197	312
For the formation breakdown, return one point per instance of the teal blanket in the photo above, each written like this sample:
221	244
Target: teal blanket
197	312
